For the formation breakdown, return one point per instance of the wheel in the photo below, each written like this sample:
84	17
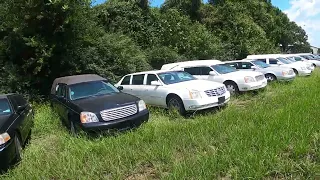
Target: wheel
18	146
232	87
270	77
175	103
73	129
296	72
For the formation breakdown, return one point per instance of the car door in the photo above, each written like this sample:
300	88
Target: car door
62	107
137	85
21	117
154	95
126	84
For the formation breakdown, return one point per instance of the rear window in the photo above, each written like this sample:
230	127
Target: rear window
126	80
5	108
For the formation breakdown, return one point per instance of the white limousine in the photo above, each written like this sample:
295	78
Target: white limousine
176	89
217	71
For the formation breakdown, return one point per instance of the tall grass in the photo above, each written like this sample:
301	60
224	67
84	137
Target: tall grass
274	134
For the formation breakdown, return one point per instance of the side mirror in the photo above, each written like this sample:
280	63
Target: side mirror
211	73
120	88
155	83
21	108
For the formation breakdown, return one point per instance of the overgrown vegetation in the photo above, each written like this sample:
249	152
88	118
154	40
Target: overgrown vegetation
41	40
265	136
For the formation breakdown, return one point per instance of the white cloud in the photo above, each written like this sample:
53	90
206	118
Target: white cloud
306	13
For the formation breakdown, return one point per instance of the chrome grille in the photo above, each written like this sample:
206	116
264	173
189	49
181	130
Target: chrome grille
215	92
119	113
259	78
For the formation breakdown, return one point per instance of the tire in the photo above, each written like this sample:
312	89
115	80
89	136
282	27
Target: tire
296	72
175	103
73	129
18	147
270	77
232	87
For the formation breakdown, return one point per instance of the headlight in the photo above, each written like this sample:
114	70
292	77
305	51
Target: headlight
194	94
141	105
284	73
4	138
88	117
249	79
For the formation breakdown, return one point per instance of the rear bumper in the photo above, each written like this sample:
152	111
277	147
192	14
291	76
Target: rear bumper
205	103
123	124
7	154
253	85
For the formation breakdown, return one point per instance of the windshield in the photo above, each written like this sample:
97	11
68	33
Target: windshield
173	77
297	58
93	88
260	64
290	59
223	69
284	61
4	107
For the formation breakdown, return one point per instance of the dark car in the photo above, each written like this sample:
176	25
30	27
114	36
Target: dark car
92	104
16	122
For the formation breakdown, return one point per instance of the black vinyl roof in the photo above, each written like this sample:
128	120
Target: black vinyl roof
69	80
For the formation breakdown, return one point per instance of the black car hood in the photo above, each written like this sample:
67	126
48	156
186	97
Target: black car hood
4	122
109	101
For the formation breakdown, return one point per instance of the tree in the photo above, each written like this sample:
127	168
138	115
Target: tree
187	7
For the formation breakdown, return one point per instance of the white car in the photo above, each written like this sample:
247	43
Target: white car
177	89
215	70
307	57
308	64
276	60
272	73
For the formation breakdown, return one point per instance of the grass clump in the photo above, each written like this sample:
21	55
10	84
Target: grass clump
274	134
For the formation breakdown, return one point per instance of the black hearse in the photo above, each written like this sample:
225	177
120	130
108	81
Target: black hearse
16	122
89	102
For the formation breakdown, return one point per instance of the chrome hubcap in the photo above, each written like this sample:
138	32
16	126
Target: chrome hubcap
231	88
173	103
270	78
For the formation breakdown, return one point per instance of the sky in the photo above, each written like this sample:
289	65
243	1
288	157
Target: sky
306	13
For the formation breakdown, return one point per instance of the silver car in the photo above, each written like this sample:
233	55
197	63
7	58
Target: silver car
272	73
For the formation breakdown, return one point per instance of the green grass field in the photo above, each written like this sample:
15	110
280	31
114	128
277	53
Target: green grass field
274	134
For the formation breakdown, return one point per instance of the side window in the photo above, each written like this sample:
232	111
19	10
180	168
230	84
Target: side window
234	65
205	70
17	100
137	79
193	70
273	61
150	78
126	80
263	60
246	65
61	91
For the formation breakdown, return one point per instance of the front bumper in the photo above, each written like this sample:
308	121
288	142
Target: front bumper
205	103
286	78
7	154
122	124
304	72
253	85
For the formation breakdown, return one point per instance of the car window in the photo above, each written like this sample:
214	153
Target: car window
150	78
137	79
193	70
283	60
260	64
246	65
17	100
234	65
297	58
173	77
61	90
89	89
5	108
273	61
263	60
126	80
223	69
205	70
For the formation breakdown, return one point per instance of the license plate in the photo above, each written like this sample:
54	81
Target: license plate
221	100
